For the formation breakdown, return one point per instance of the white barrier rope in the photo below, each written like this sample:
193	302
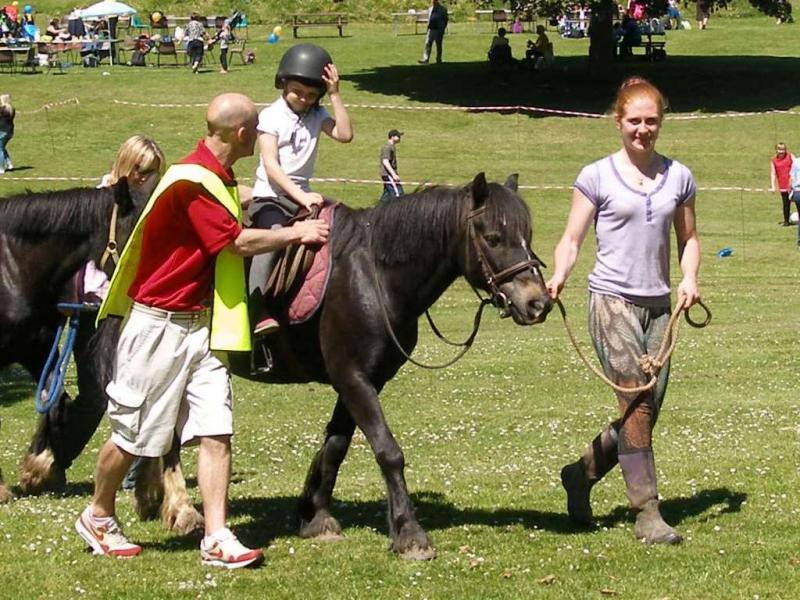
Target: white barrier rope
509	108
48	106
543	187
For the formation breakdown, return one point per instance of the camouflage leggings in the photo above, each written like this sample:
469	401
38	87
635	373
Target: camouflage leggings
622	332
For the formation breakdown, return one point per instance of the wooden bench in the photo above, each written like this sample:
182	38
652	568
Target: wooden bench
338	20
654	50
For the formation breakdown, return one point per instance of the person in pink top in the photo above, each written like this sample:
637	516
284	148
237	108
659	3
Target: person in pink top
780	167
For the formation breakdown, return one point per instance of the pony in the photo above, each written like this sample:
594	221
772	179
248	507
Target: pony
45	238
389	265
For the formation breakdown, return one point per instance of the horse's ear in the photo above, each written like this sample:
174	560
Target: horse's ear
122	195
480	190
512	183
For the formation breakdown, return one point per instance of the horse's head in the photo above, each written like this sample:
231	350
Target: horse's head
128	204
500	259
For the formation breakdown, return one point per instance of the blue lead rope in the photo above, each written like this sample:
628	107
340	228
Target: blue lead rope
57	363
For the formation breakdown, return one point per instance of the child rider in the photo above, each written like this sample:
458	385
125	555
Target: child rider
288	137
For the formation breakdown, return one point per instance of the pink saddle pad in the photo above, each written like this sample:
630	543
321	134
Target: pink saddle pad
309	297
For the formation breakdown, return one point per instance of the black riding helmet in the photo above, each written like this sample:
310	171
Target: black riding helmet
304	63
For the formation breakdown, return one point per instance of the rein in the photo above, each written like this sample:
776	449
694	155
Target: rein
111	246
651	365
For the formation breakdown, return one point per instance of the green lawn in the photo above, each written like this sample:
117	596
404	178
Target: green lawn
484	440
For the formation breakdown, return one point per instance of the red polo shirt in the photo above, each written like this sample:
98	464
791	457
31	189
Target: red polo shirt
182	236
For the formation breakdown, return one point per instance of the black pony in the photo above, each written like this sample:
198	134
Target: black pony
44	240
390	264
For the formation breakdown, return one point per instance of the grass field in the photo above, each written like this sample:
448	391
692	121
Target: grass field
484	440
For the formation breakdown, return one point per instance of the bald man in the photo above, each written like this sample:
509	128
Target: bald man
183	264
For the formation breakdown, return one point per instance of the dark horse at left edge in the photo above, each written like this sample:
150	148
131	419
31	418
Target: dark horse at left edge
45	238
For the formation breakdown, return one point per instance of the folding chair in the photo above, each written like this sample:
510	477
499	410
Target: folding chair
236	47
166	49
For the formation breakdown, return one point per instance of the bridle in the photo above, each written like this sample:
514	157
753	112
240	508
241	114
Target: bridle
111	246
495	279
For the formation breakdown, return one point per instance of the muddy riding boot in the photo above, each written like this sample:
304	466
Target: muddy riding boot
639	472
598	458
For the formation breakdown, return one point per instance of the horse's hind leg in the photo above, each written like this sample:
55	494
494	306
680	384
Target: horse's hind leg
177	511
314	506
409	539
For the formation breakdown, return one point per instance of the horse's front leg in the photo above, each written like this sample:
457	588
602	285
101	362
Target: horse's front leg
64	431
177	511
314	505
42	468
409	539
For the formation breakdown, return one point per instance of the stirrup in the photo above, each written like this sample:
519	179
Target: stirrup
261	353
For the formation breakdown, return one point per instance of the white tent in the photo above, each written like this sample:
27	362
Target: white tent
104	10
107	8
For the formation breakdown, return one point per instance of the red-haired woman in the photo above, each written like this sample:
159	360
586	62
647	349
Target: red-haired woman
635	197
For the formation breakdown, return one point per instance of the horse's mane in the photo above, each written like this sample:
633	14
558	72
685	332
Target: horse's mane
74	211
425	222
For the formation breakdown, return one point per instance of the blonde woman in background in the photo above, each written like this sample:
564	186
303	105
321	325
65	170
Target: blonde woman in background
7	114
141	162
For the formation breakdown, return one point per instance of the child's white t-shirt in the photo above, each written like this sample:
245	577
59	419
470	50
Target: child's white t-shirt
298	136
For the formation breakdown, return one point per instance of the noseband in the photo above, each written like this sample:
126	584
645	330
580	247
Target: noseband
495	279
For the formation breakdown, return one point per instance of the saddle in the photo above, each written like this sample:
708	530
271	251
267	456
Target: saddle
298	280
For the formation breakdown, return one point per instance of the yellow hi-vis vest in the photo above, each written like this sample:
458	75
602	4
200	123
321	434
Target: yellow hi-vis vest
230	325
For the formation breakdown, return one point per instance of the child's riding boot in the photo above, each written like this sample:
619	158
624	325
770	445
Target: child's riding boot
260	269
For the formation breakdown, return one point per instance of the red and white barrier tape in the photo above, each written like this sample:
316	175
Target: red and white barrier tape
515	108
376	182
48	106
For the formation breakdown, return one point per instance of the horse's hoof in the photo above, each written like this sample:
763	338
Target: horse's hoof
183	521
5	494
322	527
418	553
413	543
39	473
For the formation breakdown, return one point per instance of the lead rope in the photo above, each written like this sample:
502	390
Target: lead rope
651	365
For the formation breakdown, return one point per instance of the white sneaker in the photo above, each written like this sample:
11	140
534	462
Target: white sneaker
106	539
222	549
9	165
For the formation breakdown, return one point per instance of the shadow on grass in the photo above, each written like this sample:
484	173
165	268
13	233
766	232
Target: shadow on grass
15	385
706	84
708	503
271	518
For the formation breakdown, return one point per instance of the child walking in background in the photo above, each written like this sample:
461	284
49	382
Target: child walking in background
225	37
7	114
779	169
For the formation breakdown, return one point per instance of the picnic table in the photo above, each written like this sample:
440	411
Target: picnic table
338	20
654	50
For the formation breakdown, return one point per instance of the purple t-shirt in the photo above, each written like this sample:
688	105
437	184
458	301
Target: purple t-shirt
633	230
